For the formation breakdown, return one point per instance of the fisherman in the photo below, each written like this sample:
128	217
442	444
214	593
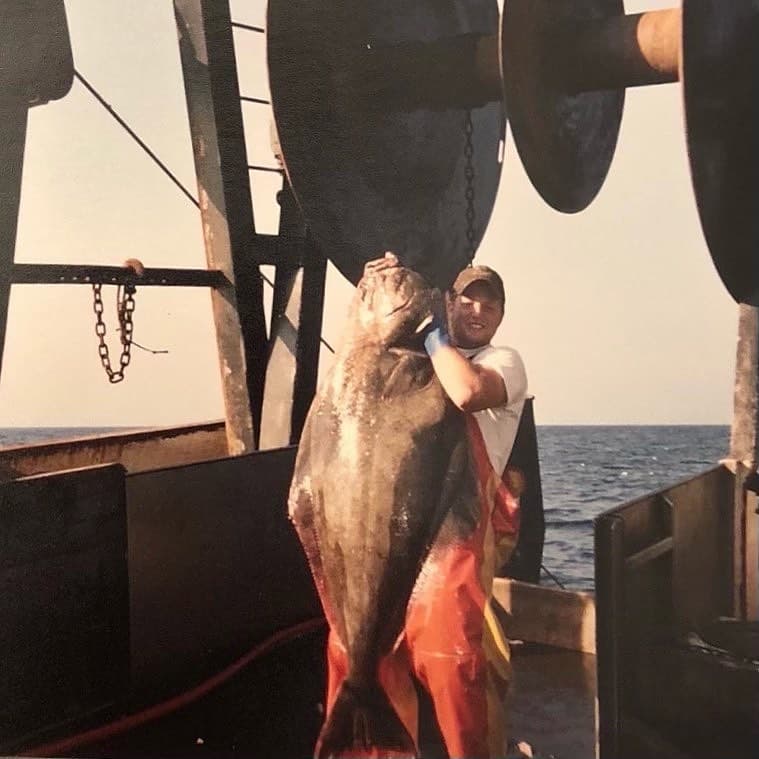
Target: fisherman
452	640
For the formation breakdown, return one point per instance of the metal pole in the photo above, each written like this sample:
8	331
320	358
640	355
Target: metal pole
13	118
213	104
86	274
297	311
744	455
610	624
617	52
622	51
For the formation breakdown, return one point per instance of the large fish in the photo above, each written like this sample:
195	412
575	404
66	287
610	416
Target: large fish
383	458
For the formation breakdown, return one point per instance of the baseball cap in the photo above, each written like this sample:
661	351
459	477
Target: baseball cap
479	274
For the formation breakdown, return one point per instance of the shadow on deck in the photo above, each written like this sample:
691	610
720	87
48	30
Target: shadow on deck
274	707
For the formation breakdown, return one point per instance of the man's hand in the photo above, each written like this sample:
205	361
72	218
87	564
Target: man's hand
388	261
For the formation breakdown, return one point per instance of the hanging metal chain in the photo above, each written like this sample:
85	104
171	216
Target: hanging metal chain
125	308
471	234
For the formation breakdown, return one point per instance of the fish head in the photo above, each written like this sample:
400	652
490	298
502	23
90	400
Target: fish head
392	305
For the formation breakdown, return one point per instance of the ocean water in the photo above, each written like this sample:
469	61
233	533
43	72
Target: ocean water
587	470
584	471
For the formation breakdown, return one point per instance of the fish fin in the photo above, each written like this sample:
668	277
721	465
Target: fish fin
408	372
363	723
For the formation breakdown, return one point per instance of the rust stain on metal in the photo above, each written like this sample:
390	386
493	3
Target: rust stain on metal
236	446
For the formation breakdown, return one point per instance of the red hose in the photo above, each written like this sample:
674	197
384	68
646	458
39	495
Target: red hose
131	721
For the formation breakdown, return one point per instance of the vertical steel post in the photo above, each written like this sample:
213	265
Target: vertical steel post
13	119
297	311
744	453
213	104
313	276
610	623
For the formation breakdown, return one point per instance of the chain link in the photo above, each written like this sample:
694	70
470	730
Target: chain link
471	234
125	309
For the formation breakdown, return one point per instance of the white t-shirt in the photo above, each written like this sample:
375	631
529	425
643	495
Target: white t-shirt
499	424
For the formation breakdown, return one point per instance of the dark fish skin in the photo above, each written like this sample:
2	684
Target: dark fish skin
383	457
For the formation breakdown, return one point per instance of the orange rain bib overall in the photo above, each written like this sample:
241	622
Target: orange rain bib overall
452	640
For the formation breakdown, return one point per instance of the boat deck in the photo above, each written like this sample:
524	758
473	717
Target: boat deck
274	708
553	701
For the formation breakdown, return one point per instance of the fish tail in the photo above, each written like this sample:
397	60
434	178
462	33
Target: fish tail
363	723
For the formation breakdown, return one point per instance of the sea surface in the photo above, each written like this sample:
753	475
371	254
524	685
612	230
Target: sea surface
587	470
584	471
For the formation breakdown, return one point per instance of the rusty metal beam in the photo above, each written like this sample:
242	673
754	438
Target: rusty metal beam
270	250
744	443
13	120
75	274
744	455
297	311
211	87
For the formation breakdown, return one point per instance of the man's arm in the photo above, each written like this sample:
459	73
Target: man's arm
469	386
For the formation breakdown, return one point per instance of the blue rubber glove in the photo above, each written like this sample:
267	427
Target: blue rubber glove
435	336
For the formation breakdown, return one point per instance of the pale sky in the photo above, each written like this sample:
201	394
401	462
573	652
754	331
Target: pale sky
617	311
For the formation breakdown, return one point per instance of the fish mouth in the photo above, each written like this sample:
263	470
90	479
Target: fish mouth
413	340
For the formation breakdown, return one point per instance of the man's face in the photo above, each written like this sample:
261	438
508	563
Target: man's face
474	315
